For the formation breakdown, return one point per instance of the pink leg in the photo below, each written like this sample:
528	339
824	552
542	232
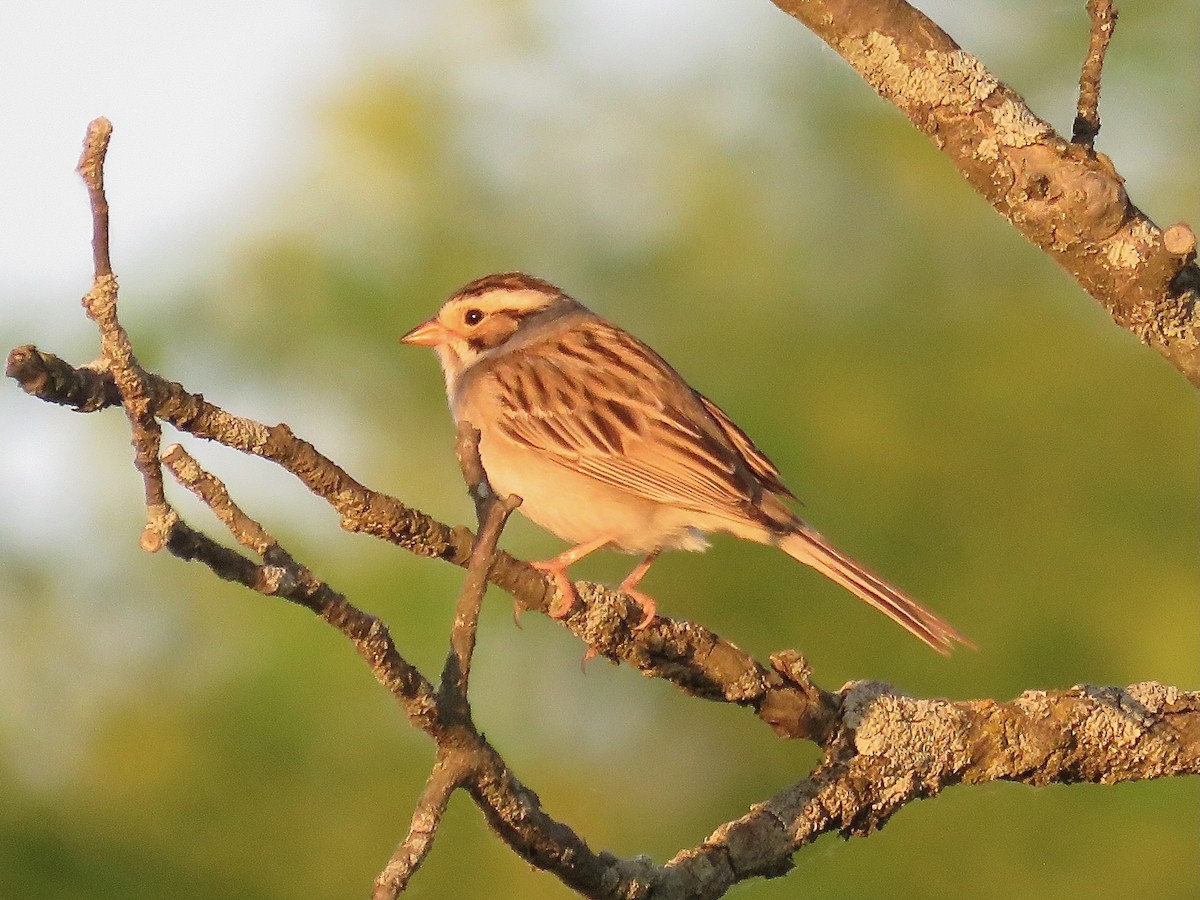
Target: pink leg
557	567
629	585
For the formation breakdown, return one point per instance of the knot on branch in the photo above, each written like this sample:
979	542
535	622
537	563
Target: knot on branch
1061	199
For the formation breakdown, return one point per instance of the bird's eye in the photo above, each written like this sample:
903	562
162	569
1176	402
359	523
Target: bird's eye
473	316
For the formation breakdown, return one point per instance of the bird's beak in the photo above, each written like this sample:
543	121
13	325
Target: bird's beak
427	334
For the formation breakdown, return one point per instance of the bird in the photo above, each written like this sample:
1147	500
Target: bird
609	447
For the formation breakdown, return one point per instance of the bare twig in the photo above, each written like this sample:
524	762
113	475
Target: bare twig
466	450
282	576
1103	17
455	759
129	377
493	512
419	841
44	375
459	743
91	170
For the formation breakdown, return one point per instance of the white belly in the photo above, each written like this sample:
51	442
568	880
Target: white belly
578	508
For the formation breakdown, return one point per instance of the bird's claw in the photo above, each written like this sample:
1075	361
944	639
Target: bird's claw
567	597
649	608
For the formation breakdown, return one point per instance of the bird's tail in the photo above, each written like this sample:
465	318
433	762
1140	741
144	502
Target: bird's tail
812	549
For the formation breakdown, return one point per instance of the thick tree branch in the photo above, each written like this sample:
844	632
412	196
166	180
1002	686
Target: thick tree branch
1067	200
891	749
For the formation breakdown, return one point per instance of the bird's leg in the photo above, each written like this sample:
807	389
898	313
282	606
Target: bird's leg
557	567
629	586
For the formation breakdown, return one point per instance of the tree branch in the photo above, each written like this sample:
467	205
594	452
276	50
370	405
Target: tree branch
1067	200
1087	118
426	819
493	513
459	742
891	749
281	576
91	170
465	758
101	306
689	655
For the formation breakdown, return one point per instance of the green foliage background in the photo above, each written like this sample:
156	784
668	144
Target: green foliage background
948	403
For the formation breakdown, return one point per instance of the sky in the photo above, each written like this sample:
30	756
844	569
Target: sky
212	104
208	119
202	113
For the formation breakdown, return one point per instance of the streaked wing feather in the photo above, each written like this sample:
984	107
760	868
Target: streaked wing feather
755	459
597	401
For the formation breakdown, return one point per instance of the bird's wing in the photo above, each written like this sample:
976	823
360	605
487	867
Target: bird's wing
595	400
755	459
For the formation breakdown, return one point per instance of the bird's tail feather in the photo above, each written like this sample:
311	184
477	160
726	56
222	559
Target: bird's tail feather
812	549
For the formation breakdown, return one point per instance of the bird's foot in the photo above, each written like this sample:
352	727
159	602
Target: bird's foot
649	607
567	595
629	588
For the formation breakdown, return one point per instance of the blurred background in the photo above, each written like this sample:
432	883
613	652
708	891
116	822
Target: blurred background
293	185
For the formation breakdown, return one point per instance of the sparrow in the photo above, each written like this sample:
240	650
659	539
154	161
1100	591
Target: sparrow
608	446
